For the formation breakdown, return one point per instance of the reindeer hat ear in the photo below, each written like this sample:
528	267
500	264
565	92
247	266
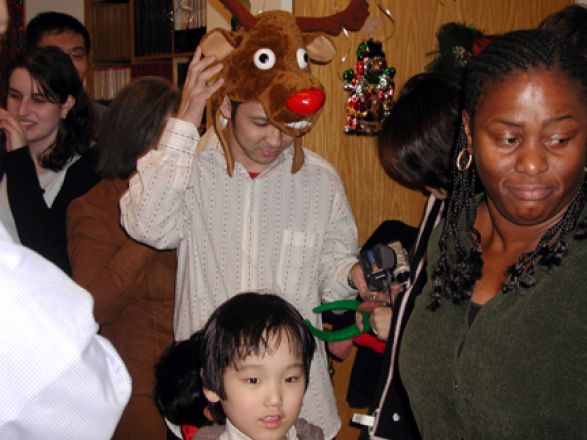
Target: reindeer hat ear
320	48
267	61
221	43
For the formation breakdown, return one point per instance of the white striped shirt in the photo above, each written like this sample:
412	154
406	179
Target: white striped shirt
291	234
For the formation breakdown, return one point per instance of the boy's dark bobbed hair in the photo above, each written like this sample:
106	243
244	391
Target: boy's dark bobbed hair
249	324
415	145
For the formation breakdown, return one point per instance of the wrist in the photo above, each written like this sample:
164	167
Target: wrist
349	280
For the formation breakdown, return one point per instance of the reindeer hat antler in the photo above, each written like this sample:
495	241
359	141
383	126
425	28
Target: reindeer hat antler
267	61
352	18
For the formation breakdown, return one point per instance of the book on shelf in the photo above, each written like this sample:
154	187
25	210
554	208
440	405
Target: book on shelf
108	81
153	27
111	36
187	40
182	71
189	24
188	14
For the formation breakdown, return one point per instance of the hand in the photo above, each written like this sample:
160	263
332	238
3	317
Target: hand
196	89
379	318
358	277
340	349
15	132
394	290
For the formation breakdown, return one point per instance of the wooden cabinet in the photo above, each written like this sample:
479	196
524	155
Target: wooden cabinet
132	38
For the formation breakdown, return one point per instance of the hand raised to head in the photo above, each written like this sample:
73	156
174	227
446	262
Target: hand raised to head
197	88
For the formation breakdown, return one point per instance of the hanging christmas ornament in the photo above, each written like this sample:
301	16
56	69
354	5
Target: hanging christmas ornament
370	87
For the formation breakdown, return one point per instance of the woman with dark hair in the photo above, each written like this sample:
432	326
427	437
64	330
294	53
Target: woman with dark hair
47	125
415	145
415	148
496	347
132	284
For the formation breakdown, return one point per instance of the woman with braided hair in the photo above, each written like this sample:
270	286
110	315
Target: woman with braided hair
496	346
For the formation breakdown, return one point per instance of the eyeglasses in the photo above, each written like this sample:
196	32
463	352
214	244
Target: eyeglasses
78	53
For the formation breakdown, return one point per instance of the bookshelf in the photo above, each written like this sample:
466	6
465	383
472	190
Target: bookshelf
133	38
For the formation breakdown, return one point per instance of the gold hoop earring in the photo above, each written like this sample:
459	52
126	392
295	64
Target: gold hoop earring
462	167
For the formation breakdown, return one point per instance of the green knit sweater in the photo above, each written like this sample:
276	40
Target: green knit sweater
518	372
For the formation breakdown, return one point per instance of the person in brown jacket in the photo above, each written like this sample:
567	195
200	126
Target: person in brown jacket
132	284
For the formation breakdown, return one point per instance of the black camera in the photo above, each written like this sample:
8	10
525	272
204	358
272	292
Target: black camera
385	264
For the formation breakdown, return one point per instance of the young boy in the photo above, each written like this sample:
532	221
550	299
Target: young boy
256	356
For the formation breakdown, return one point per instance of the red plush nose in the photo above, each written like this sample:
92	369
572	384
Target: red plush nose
306	102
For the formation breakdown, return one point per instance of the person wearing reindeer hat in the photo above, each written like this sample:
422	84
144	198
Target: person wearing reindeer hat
246	206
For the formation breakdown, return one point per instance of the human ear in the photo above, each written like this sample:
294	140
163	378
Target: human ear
211	396
226	108
466	118
66	106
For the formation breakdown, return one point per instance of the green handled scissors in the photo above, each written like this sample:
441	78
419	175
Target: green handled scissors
345	333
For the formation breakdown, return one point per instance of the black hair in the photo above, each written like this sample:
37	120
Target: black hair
57	79
458	43
570	24
460	262
54	23
133	124
178	386
417	138
248	324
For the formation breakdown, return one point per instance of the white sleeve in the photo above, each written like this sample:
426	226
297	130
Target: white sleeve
341	247
153	208
58	378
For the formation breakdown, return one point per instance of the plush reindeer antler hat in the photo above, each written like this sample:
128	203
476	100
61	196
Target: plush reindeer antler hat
267	61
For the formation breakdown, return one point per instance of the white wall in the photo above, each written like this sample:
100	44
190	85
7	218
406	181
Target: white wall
71	7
